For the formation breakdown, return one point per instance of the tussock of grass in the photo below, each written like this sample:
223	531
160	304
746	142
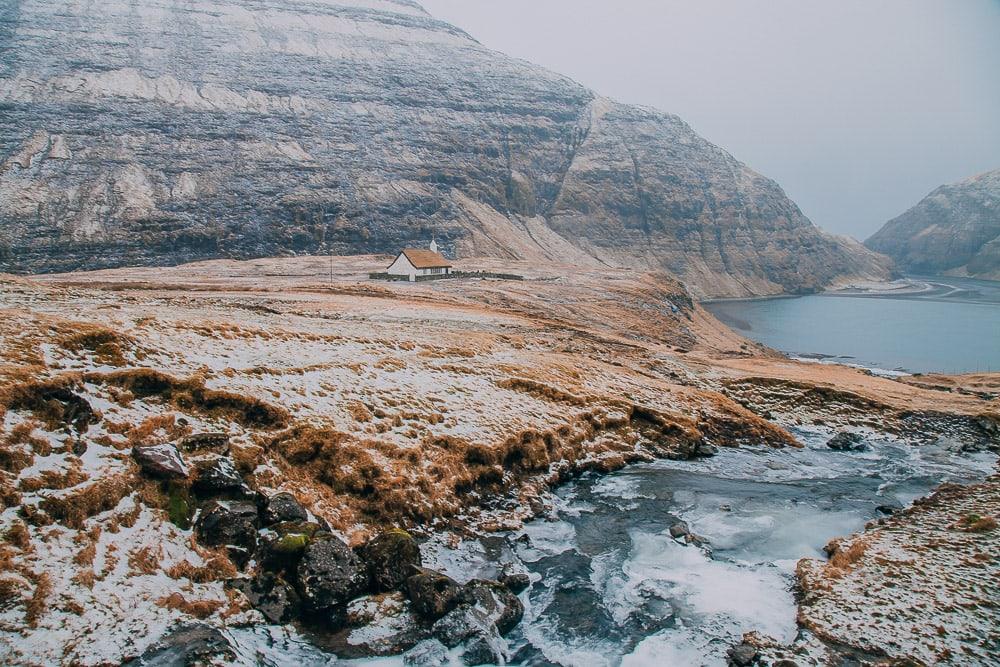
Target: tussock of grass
107	346
73	508
54	479
38	604
191	393
843	560
200	609
52	401
145	560
18	535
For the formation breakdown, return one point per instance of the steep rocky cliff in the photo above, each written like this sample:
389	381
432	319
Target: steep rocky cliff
166	131
955	229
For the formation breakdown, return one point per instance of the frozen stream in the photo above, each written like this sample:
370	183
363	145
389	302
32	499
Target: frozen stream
611	587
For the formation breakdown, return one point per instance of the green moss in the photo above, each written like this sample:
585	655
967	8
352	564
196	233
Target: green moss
179	508
292	543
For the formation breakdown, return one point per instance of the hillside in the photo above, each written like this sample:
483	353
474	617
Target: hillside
161	133
954	230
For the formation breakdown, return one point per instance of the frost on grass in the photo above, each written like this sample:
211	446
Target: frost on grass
923	585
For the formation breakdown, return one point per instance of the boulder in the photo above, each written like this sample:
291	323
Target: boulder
845	441
390	557
486	611
282	545
218	476
383	624
163	461
433	594
742	655
329	573
428	653
194	644
271	595
232	524
283	507
679	530
516	582
705	450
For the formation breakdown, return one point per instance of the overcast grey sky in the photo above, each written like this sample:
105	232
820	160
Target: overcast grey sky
858	108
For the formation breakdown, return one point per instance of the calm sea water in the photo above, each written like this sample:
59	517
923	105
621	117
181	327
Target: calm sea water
946	325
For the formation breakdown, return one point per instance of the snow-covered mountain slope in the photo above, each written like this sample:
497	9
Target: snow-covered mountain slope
165	131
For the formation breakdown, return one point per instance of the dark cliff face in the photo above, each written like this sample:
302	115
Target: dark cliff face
955	229
166	131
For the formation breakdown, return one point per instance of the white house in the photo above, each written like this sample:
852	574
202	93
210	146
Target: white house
413	263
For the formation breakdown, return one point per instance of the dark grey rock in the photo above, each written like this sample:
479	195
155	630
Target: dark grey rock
433	594
428	653
271	595
282	545
217	476
329	573
232	524
845	441
390	557
486	609
516	582
162	461
742	655
195	644
679	530
284	507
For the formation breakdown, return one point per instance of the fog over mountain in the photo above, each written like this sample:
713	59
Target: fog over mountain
858	109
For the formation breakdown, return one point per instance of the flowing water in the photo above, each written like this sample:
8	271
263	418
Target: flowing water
611	587
948	325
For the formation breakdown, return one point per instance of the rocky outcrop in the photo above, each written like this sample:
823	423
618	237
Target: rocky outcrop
359	126
954	230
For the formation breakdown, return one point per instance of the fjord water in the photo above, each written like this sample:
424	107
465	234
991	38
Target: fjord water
951	326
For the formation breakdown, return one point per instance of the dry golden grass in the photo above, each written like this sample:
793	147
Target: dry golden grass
217	567
843	560
37	605
107	346
145	560
54	479
73	508
200	609
18	535
156	430
191	394
85	577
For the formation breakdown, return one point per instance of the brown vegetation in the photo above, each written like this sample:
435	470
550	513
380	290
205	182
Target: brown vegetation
201	609
191	394
73	508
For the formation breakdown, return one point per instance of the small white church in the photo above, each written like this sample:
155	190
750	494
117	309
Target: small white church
413	263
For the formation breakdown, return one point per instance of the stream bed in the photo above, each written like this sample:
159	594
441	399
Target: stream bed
610	586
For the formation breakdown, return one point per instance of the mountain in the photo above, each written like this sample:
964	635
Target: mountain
955	229
167	131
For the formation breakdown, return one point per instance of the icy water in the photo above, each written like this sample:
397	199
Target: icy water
611	587
948	325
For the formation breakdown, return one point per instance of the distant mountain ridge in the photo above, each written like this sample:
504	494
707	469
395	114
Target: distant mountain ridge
955	229
163	132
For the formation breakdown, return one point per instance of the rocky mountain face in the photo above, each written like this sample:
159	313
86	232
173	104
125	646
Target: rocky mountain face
167	131
955	229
